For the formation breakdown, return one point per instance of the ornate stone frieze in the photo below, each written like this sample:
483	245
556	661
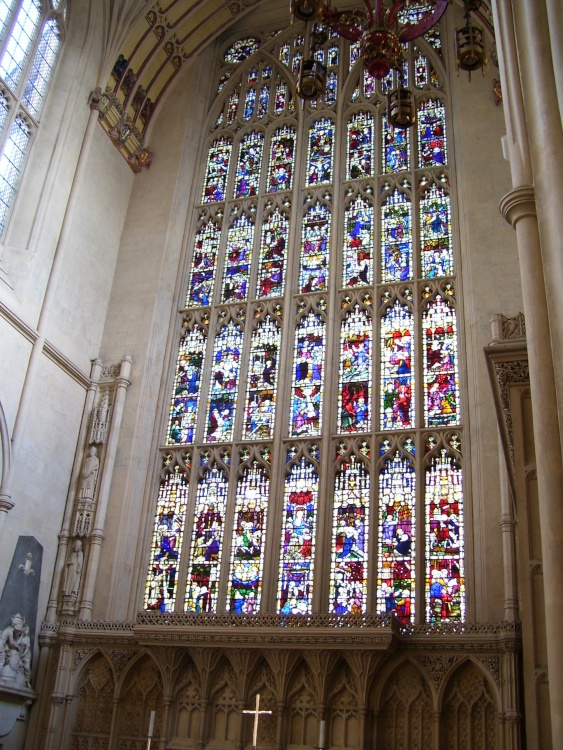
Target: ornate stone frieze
437	665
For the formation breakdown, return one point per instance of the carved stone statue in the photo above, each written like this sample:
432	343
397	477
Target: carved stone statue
101	420
73	571
15	654
89	475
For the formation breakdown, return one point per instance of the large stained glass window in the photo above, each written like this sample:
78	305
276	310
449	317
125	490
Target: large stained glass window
316	377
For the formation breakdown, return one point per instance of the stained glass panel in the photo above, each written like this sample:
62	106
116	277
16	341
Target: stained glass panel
445	582
187	385
207	540
431	124
441	383
396	147
321	149
166	546
249	162
332	55
284	54
263	101
331	87
260	409
247	553
420	71
355	372
354	53
436	233
282	151
239	257
396	563
396	239
314	249
357	265
204	262
349	553
308	376
281	97
360	146
369	84
225	369
273	254
232	107
240	50
217	171
295	592
397	372
249	103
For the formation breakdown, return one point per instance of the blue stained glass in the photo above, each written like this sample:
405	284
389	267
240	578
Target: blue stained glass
397	380
396	148
187	385
263	366
321	150
396	239
332	55
204	263
207	542
369	84
295	591
249	163
281	97
252	75
249	536
421	71
308	376
349	554
441	381
221	404
314	249
431	118
249	103
357	267
331	87
217	170
239	257
263	101
280	173
354	53
436	233
240	50
232	107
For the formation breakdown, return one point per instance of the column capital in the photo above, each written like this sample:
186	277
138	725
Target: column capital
6	502
518	204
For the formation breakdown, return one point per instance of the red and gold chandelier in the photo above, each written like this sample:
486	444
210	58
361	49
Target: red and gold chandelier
381	27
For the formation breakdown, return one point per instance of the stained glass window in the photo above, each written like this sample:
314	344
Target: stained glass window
308	376
360	146
397	372
222	399
321	149
282	151
249	163
207	542
239	257
436	233
396	238
204	262
273	254
357	267
431	117
187	384
166	545
355	372
445	582
262	383
350	531
441	384
274	362
217	170
397	516
249	539
239	51
314	249
295	592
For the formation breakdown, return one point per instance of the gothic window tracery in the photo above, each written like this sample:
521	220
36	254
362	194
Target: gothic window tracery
317	375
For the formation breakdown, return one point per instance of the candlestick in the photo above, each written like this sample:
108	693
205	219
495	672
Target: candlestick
151	723
322	726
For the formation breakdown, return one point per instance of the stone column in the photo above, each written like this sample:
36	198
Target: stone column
97	536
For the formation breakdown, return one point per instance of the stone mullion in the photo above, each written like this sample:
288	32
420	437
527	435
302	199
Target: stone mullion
224	570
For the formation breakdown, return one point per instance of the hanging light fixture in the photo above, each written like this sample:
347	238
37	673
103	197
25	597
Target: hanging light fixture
311	83
401	110
470	42
305	10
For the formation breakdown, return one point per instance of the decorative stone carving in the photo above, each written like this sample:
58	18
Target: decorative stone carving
15	654
514	328
73	573
89	475
26	566
507	374
437	665
101	419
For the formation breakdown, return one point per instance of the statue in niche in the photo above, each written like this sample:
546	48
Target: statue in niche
73	571
15	654
101	419
89	475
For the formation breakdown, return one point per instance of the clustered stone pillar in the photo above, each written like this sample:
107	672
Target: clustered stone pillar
535	147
